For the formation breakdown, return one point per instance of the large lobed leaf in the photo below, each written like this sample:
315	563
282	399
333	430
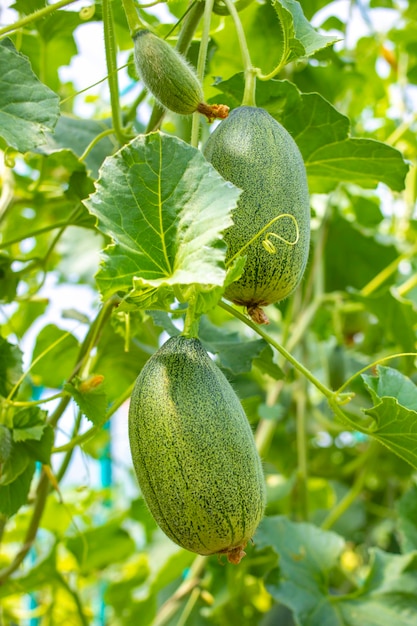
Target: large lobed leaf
304	39
307	557
165	208
28	109
394	412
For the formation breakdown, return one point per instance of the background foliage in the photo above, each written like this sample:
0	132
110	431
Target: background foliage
329	387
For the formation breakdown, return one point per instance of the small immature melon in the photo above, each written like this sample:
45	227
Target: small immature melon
272	219
194	453
170	78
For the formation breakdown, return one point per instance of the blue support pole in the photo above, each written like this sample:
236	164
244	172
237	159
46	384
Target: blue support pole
106	480
33	603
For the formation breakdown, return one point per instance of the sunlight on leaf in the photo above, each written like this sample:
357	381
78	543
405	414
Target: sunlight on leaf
307	39
28	109
165	208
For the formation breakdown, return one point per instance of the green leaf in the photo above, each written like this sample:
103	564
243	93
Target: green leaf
388	595
164	321
31	440
10	366
165	208
8	279
307	557
41	450
119	593
265	362
345	241
313	122
92	403
207	298
75	134
25	315
14	494
394	412
395	427
307	39
28	109
397	316
365	162
50	45
100	546
28	423
235	355
407	520
15	464
296	48
391	382
56	351
44	572
121	368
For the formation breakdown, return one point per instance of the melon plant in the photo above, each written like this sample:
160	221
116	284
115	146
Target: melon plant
272	220
194	452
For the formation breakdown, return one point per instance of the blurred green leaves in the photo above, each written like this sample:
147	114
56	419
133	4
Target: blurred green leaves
309	559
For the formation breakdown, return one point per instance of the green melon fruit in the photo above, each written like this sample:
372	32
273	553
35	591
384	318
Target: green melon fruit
194	453
166	73
272	219
170	78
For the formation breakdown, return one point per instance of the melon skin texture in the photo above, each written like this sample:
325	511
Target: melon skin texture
167	74
272	219
194	452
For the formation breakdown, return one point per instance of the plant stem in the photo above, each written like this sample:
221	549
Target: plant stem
56	396
36	360
36	15
339	391
132	16
94	142
80	439
131	112
88	344
249	71
266	428
67	458
347	501
302	471
172	605
407	286
383	276
328	393
332	396
77	601
34	233
192	19
111	60
194	595
201	65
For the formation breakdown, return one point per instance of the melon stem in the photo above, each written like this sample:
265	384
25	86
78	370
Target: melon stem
249	70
